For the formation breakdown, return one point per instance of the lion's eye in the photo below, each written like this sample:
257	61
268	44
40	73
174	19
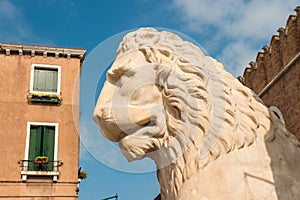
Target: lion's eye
112	77
175	111
129	73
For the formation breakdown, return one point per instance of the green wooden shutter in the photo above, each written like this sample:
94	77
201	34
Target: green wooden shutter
39	83
48	145
34	146
36	80
51	84
41	143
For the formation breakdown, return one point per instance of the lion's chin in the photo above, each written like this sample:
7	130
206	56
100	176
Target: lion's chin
136	148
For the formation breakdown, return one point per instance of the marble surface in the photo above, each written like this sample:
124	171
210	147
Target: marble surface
210	136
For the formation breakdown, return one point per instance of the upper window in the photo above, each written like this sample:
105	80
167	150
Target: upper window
45	79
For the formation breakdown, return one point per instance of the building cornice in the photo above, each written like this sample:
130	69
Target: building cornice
45	51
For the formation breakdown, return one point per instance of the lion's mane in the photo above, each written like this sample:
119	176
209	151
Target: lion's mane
208	111
202	101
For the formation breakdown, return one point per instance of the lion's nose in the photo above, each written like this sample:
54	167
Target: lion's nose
97	116
106	113
109	129
103	113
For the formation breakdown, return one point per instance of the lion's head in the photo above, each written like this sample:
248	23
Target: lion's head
163	95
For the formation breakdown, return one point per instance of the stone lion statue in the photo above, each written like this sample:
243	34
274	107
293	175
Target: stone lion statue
210	136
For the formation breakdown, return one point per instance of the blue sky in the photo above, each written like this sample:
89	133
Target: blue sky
233	31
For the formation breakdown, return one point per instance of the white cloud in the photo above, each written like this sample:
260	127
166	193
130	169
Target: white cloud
7	9
13	26
236	29
236	56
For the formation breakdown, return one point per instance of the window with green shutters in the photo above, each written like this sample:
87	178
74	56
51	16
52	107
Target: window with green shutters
45	80
41	143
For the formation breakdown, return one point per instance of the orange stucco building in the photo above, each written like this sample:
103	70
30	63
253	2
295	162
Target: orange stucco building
39	108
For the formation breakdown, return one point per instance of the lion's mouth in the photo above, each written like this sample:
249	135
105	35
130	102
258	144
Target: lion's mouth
144	139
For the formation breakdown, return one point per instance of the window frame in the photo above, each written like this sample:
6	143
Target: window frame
53	173
45	66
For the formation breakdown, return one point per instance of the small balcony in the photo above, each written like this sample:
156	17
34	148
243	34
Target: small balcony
40	168
41	98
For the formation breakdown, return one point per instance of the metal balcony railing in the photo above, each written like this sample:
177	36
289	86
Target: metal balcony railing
32	165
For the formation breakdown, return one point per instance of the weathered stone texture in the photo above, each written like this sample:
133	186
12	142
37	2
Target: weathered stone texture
209	136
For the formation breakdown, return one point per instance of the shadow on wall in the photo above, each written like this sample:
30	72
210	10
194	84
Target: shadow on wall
284	151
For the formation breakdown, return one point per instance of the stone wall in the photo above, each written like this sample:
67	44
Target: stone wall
275	75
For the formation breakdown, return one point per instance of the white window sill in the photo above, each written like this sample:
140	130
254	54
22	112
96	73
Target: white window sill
24	174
